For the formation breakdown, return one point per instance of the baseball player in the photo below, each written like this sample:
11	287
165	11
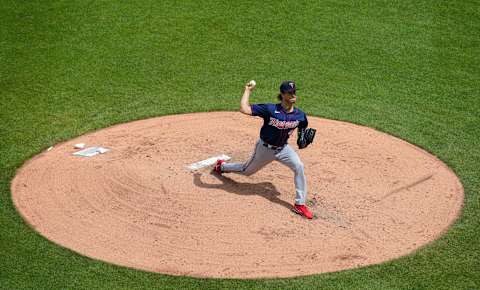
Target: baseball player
279	122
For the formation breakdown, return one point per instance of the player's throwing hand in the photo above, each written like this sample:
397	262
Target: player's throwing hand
250	85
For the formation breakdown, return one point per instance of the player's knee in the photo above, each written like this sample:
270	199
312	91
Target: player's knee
299	167
248	171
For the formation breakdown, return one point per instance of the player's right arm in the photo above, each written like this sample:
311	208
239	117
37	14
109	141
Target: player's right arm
245	107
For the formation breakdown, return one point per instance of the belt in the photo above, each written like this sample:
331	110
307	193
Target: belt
272	147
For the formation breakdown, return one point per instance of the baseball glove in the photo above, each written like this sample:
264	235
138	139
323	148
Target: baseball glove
305	137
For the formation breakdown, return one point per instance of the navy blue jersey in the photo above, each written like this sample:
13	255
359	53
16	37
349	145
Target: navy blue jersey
278	125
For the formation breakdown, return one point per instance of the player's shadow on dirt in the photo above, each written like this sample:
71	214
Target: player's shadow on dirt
263	189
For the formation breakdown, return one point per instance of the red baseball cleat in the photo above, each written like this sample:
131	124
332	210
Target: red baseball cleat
301	209
218	166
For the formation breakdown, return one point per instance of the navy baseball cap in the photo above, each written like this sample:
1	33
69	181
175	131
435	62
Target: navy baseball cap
288	87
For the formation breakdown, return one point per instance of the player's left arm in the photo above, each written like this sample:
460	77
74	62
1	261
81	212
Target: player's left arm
305	135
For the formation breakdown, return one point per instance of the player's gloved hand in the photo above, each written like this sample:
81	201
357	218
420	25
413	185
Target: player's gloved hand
301	142
305	137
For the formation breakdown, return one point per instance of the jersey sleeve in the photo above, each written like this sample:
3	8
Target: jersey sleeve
303	123
259	110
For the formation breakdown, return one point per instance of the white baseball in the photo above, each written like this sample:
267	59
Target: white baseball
252	83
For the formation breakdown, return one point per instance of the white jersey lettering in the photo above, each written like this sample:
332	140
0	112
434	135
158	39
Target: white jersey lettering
283	124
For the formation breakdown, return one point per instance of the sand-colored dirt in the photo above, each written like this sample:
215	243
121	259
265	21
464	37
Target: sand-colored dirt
375	196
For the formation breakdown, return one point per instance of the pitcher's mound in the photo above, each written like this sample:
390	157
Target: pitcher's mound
375	198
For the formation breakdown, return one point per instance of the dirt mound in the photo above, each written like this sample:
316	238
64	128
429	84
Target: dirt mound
375	198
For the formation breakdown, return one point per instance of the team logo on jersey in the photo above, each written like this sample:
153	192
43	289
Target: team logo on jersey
283	124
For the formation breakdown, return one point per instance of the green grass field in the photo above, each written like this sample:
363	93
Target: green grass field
409	68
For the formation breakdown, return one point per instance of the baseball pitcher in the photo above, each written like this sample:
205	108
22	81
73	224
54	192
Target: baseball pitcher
279	122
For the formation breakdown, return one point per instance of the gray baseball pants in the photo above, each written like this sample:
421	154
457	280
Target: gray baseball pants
263	155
